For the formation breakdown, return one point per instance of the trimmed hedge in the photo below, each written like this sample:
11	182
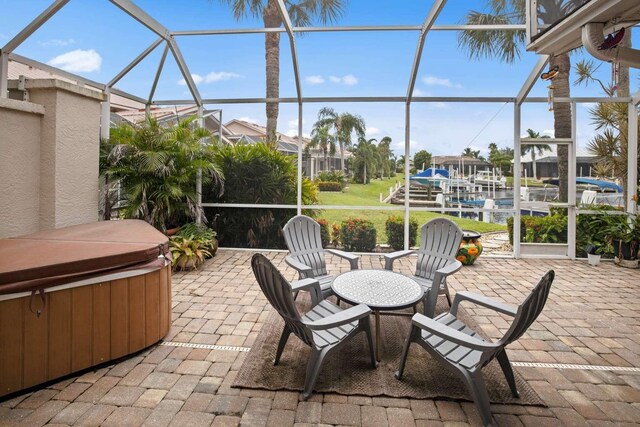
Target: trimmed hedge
358	235
394	227
329	186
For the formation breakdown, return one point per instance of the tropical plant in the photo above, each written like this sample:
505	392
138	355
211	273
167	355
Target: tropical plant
333	176
394	227
324	141
203	234
187	252
506	45
366	156
302	13
156	167
534	148
387	164
254	173
500	158
422	159
469	152
344	125
357	234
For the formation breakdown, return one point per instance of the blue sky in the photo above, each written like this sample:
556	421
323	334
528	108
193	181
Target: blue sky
95	39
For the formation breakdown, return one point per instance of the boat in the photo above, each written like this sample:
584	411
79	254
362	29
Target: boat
488	178
431	177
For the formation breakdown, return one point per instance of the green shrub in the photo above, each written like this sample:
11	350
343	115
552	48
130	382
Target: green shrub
358	235
254	173
202	234
335	234
325	236
535	229
329	186
394	227
332	176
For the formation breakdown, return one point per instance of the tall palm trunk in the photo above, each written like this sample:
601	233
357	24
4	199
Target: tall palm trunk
562	120
272	19
533	161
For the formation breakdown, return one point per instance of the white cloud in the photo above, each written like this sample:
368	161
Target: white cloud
78	61
212	77
349	80
251	120
56	42
550	132
216	76
372	130
437	81
197	78
314	80
439	105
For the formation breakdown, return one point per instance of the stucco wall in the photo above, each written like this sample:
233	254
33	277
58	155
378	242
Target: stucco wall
19	167
49	158
69	153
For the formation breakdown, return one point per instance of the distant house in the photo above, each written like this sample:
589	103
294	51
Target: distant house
465	164
312	163
547	163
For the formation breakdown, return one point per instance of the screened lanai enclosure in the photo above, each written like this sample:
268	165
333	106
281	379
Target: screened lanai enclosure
550	29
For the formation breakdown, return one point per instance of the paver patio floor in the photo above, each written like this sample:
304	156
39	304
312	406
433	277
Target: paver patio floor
592	318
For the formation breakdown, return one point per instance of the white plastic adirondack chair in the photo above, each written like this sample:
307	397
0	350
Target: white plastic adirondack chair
306	254
439	243
324	328
464	352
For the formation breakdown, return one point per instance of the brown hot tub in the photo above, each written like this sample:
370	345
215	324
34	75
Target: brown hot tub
80	296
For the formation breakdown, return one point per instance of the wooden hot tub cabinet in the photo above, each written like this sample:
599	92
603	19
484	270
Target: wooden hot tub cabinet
47	332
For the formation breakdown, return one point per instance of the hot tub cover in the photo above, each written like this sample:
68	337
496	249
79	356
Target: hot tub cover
51	257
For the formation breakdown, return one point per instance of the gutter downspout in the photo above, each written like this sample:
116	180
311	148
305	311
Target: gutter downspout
592	38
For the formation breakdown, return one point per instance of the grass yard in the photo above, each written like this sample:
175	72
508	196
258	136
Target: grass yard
529	182
369	195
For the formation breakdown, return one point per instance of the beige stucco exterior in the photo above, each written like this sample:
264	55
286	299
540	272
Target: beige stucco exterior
49	161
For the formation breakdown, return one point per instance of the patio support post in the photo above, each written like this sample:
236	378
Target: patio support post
437	7
517	170
571	210
286	19
157	77
299	201
105	114
632	159
407	147
4	74
199	175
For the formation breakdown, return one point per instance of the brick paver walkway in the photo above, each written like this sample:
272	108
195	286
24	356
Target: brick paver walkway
592	318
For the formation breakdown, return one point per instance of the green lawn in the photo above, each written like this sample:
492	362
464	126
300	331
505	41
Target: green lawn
530	182
369	195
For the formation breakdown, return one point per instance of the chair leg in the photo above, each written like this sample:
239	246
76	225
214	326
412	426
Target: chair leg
283	341
429	303
478	390
415	332
366	326
503	359
313	369
446	292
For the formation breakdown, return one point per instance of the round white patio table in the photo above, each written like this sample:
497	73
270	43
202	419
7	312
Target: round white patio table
381	290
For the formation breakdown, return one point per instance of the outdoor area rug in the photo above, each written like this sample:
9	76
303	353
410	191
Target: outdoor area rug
348	370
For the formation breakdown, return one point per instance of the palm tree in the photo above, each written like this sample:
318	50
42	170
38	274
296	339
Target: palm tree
321	138
384	149
534	148
507	45
366	156
344	125
302	13
157	166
